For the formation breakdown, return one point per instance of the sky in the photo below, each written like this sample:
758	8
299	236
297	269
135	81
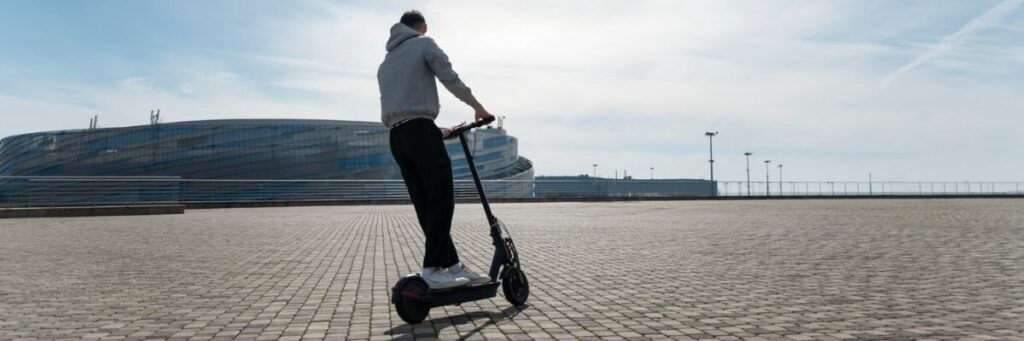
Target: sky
834	90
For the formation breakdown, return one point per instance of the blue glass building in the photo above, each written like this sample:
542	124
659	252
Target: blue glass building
220	159
243	149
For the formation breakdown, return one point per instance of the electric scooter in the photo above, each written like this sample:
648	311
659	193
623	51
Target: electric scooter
413	298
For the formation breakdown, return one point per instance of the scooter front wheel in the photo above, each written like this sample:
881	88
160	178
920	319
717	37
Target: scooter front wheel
409	300
515	287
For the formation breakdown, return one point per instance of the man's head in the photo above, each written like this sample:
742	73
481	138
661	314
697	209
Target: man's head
414	19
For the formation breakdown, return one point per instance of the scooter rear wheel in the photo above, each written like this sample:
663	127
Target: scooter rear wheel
515	287
410	305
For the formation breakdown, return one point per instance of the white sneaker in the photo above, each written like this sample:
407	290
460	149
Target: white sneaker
471	276
442	279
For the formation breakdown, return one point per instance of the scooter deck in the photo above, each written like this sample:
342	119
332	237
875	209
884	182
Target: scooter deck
462	294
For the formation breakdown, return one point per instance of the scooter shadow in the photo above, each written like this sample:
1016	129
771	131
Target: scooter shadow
407	331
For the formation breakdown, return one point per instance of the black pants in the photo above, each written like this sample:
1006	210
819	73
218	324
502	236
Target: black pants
419	150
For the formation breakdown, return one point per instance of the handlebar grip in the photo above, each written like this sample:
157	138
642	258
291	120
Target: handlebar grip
487	120
473	125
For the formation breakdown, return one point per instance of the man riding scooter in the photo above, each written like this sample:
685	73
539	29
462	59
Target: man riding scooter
409	105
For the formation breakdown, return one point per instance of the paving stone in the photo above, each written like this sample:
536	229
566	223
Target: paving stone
680	270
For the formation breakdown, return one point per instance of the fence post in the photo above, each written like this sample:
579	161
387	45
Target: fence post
53	193
136	193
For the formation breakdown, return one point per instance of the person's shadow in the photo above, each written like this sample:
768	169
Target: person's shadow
407	331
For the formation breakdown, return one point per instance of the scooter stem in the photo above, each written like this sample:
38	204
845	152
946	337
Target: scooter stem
476	179
496	232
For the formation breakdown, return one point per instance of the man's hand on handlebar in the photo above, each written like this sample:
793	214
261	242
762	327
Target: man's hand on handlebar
482	118
481	113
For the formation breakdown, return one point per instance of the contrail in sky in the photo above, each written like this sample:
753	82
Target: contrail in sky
961	36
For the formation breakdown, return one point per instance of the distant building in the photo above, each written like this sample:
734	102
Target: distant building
587	186
243	149
220	158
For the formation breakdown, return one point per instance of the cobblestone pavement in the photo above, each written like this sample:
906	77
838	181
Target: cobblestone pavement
729	270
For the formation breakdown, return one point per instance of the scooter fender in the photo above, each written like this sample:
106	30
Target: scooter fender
396	294
504	273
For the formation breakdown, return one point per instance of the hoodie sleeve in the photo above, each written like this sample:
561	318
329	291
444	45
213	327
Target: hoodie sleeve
438	62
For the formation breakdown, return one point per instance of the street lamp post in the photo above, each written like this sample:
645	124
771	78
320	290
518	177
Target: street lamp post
748	154
711	152
767	187
780	179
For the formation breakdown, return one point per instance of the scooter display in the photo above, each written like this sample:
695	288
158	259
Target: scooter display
413	298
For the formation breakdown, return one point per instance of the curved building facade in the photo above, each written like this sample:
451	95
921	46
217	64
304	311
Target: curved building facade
243	149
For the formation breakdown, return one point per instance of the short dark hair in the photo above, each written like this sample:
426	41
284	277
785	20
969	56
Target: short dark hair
413	18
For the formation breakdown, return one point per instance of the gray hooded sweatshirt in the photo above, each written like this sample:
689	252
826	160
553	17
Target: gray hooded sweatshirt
406	77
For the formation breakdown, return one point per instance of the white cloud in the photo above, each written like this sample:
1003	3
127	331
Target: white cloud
135	83
950	42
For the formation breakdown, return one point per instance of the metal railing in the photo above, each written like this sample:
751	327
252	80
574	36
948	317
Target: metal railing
24	191
29	191
99	190
873	188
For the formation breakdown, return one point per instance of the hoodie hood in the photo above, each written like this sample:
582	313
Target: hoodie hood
399	34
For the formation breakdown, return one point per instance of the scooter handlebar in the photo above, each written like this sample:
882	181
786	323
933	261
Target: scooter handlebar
463	129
